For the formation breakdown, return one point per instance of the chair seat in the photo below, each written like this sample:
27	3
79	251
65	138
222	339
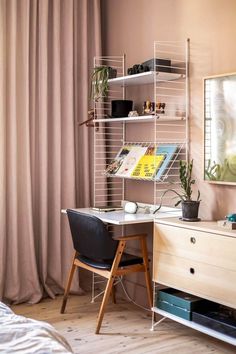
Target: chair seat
126	260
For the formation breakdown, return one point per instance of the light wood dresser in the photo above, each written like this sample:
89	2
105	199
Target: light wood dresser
198	258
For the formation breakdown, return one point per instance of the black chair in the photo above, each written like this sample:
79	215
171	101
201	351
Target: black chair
97	251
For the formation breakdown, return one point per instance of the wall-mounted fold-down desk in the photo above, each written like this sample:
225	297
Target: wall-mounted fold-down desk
119	217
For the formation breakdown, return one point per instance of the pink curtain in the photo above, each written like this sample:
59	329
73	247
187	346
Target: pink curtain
45	51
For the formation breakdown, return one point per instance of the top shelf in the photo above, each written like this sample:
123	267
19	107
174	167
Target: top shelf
144	78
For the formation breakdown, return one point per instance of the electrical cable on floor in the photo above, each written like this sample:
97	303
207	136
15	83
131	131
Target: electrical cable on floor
120	281
129	298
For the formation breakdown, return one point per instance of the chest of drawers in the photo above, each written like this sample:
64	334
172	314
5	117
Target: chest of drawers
198	258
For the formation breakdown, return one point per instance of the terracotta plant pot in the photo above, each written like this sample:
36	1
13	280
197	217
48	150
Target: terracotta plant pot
190	210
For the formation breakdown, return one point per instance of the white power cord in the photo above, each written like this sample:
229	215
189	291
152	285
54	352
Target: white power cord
129	298
119	280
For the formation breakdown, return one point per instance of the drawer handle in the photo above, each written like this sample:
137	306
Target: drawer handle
192	270
192	240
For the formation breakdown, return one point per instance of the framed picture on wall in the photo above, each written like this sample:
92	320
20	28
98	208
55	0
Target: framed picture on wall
220	128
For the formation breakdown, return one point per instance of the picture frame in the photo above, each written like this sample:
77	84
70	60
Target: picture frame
220	128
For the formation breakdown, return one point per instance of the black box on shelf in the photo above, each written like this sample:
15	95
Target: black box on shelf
121	108
219	319
177	302
158	65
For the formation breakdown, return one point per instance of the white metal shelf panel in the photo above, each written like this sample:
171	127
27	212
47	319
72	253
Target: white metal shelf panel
196	326
139	119
144	78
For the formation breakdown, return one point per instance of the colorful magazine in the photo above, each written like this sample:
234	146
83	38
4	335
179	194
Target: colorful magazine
169	150
148	164
141	161
115	164
131	160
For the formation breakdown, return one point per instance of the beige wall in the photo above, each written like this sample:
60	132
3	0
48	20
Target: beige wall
131	27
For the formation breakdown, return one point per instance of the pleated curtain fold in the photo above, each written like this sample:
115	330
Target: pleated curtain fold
46	51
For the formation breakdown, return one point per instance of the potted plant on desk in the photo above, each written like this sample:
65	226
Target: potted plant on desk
190	206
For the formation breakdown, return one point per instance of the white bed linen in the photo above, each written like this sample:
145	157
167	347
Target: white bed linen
19	334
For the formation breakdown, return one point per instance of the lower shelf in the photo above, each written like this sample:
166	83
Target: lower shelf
196	326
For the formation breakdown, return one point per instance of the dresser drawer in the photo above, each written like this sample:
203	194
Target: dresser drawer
196	245
200	279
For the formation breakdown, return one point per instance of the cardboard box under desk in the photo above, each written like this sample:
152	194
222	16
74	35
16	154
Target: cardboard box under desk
177	302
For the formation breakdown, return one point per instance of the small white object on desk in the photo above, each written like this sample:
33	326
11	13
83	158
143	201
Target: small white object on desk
230	225
131	207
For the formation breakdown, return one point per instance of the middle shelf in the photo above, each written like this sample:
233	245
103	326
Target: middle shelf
139	119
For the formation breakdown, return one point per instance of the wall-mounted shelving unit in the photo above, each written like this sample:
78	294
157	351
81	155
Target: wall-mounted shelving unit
169	86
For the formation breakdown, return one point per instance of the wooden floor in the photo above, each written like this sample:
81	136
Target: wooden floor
125	329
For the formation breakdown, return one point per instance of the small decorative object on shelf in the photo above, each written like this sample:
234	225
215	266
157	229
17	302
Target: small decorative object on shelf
149	108
189	206
160	107
133	114
137	69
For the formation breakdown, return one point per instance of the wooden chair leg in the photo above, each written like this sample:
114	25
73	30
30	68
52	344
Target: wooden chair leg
68	285
110	282
104	302
113	294
147	273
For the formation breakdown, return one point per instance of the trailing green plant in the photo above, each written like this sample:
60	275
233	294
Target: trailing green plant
186	183
99	82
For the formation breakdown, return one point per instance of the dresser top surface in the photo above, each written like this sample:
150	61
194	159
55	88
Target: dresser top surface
205	226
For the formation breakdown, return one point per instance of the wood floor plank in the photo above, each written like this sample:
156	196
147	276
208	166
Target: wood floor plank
125	329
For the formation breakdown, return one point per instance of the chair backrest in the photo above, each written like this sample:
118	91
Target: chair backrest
90	236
